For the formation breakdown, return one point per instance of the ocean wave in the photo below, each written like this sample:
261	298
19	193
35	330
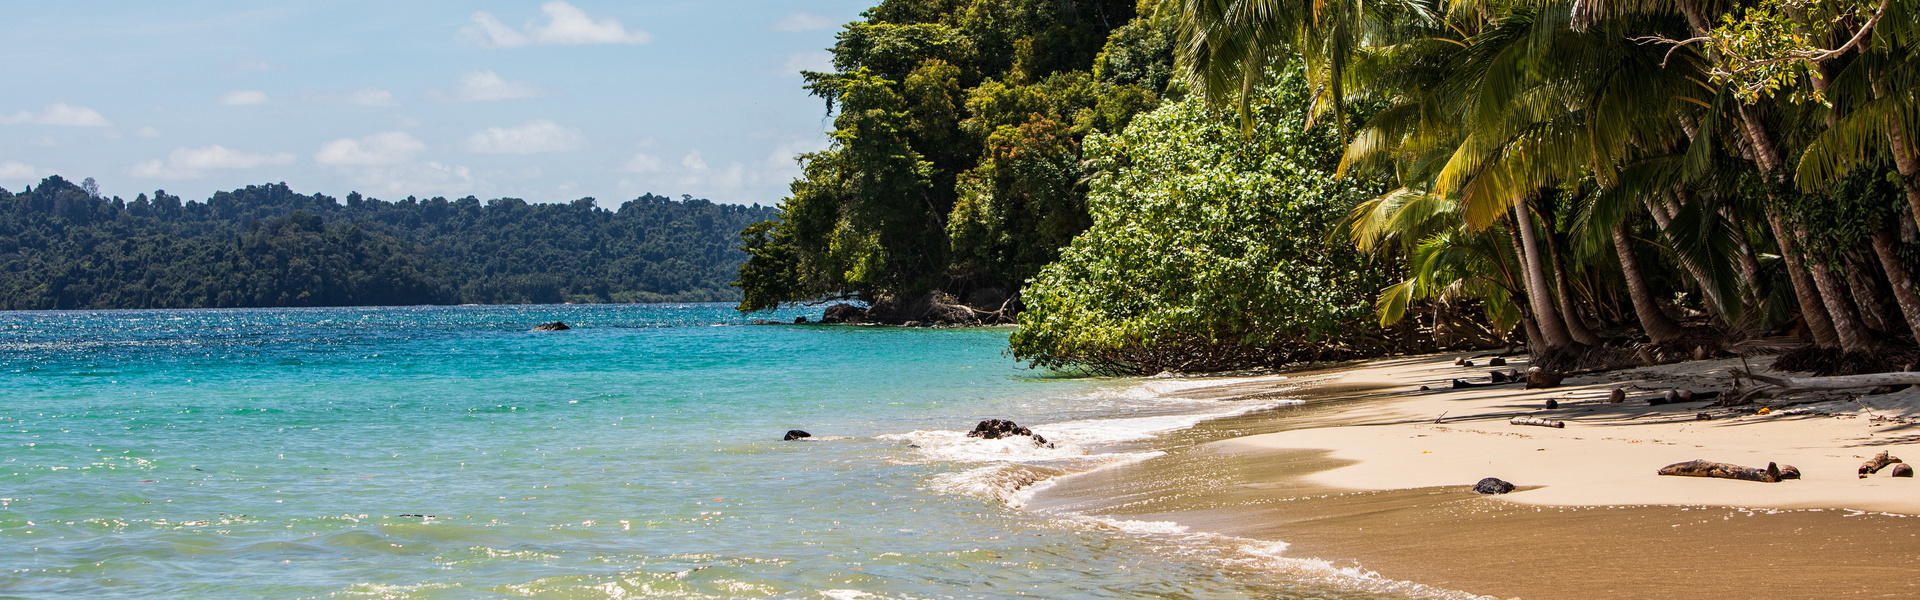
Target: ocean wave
1238	553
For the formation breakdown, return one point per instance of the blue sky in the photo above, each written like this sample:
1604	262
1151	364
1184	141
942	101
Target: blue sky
546	101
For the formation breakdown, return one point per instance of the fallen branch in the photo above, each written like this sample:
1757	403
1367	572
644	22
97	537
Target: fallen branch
1705	468
1538	422
1878	462
1840	382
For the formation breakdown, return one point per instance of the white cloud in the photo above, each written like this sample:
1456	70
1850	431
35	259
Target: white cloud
243	97
565	25
803	22
16	170
58	113
146	132
388	148
190	163
807	61
414	179
642	163
693	162
371	97
535	136
481	86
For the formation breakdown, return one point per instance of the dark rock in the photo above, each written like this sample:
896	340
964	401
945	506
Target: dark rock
1902	470
554	326
1497	377
1617	396
1788	472
1540	379
1702	416
794	434
1552	404
844	313
994	429
1492	485
1496	362
764	322
1424	388
800	319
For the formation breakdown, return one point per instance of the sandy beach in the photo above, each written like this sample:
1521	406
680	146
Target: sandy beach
1361	474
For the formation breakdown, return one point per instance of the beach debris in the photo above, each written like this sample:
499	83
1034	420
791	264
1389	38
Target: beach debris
1764	411
1878	462
1507	376
1443	415
1492	486
1903	470
1768	386
1462	362
1552	404
1496	362
1540	379
794	434
1538	422
1702	416
1707	468
1617	396
554	326
993	429
1425	388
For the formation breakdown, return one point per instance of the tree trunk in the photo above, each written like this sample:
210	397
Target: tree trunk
1658	326
1853	337
1553	330
1749	264
1867	297
1563	291
1897	274
1903	161
1663	216
1812	310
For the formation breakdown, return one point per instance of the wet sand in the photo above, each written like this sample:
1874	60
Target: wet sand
1246	476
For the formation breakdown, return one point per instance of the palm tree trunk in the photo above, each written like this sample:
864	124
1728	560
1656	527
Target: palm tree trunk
1846	323
1576	327
1553	331
1658	326
1749	264
1805	290
1897	274
1663	216
1904	162
1866	295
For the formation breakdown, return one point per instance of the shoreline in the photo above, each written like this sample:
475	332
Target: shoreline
1360	475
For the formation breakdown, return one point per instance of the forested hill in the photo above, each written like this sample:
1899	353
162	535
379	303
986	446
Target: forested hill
63	247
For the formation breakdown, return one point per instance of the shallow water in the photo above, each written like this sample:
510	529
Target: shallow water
447	452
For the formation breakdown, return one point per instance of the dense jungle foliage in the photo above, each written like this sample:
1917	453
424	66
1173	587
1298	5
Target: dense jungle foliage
1605	181
956	164
1210	248
63	247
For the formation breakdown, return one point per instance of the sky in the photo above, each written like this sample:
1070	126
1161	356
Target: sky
545	101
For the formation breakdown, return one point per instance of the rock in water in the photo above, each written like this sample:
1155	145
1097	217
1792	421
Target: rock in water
843	313
1492	485
794	434
554	326
993	429
800	319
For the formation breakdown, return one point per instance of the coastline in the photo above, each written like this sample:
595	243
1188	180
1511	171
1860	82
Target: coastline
1358	474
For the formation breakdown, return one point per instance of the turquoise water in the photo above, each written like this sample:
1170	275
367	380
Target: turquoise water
447	452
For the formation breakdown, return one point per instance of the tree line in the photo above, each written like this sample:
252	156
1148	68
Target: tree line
1236	181
63	246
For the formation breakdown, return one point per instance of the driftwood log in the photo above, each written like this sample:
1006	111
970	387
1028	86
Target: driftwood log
1538	422
1878	462
1707	468
1770	386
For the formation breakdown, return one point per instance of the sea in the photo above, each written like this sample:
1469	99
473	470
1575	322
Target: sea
450	452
